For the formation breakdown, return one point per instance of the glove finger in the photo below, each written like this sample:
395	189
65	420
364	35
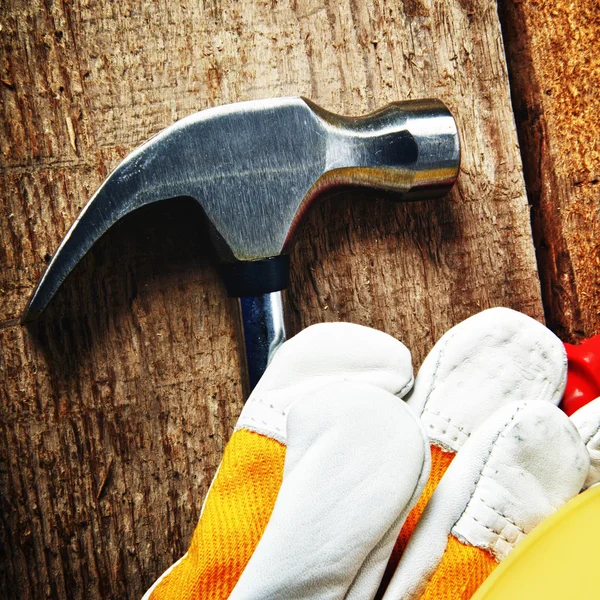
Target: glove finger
356	461
506	479
493	358
587	421
478	363
320	355
243	492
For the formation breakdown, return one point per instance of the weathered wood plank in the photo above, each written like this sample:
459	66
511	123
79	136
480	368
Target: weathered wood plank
116	406
552	50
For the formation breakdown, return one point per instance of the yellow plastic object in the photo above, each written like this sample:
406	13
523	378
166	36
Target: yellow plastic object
557	560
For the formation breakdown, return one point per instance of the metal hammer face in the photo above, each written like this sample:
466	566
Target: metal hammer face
255	167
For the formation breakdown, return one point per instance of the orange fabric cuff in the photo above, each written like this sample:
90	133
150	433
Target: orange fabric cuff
234	517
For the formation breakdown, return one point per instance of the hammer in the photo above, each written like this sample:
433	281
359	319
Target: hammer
255	168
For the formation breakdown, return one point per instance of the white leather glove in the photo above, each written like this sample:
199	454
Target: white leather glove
324	444
503	456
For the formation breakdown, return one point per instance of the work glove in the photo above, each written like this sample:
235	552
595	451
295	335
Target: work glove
327	454
481	508
503	456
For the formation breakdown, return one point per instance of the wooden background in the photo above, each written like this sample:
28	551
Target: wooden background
116	406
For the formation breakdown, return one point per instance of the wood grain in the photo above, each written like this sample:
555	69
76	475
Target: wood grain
116	406
552	50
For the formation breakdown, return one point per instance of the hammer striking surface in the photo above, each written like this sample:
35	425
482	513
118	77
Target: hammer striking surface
255	168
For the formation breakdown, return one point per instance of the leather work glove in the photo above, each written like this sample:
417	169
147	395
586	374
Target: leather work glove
326	454
486	396
492	359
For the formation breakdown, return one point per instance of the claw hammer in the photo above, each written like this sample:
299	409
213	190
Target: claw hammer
255	168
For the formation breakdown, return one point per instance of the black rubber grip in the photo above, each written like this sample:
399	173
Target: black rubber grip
256	277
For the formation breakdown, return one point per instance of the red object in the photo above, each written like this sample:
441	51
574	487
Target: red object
583	379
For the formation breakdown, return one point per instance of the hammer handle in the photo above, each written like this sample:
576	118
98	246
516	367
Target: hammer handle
263	331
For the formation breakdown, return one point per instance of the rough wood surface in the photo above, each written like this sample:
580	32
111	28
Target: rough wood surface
554	65
116	406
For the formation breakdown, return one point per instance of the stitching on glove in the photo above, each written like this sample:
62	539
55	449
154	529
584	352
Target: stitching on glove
499	534
501	514
265	403
458	428
270	426
487	458
447	419
437	366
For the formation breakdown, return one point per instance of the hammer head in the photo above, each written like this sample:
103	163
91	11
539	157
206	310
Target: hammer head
255	167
